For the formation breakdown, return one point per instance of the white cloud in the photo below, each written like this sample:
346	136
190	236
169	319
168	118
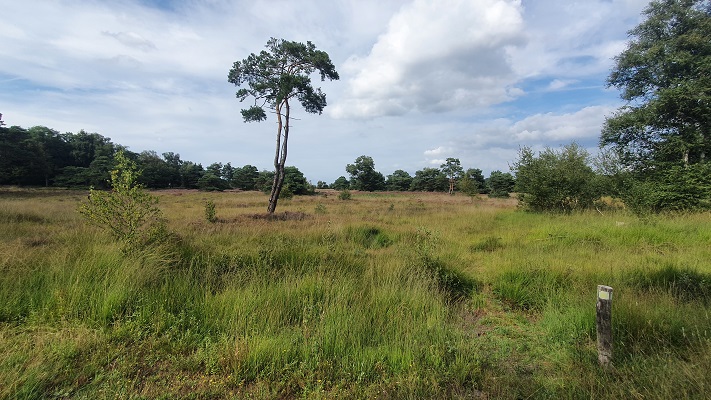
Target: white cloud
573	39
558	84
493	144
437	156
439	151
583	124
436	57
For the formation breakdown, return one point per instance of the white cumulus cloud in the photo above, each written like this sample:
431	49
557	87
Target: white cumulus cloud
582	124
436	57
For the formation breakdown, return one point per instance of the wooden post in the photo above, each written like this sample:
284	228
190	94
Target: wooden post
604	324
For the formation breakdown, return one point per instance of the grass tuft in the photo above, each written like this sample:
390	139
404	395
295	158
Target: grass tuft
685	284
530	288
369	237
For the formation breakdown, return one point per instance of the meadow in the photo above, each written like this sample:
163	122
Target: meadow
386	295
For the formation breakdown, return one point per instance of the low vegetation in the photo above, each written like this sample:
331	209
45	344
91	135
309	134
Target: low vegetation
384	296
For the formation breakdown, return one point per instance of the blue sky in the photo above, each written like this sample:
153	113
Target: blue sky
421	80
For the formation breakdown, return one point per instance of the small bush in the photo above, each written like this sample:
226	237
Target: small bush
210	213
556	181
674	189
128	212
286	193
344	195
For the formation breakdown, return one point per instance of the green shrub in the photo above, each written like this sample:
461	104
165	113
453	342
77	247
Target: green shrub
556	181
128	211
286	193
677	188
210	213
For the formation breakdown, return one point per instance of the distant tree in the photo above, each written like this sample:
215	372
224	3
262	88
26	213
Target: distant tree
214	169
211	182
173	164
227	173
52	154
86	147
245	178
89	160
212	179
155	172
500	184
430	180
341	183
190	174
468	186
364	176
477	176
321	185
43	156
298	184
556	181
264	181
453	170
16	155
98	174
399	181
275	77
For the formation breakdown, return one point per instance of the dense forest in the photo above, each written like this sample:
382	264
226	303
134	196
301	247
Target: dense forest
40	156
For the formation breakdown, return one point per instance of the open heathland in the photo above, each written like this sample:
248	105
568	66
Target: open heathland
386	295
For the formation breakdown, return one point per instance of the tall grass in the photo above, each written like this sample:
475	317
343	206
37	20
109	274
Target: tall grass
387	296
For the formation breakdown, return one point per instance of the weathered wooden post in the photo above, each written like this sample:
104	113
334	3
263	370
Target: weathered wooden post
604	324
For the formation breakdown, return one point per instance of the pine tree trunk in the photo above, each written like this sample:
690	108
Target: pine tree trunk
280	156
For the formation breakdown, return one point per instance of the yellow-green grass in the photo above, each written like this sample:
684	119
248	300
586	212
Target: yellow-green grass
386	295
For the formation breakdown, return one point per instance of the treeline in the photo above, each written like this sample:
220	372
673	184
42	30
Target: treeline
449	177
40	156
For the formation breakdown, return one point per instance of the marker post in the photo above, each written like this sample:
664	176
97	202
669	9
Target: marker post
604	324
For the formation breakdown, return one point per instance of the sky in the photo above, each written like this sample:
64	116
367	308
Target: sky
420	80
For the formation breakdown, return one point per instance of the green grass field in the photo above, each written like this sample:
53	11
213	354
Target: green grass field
382	296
